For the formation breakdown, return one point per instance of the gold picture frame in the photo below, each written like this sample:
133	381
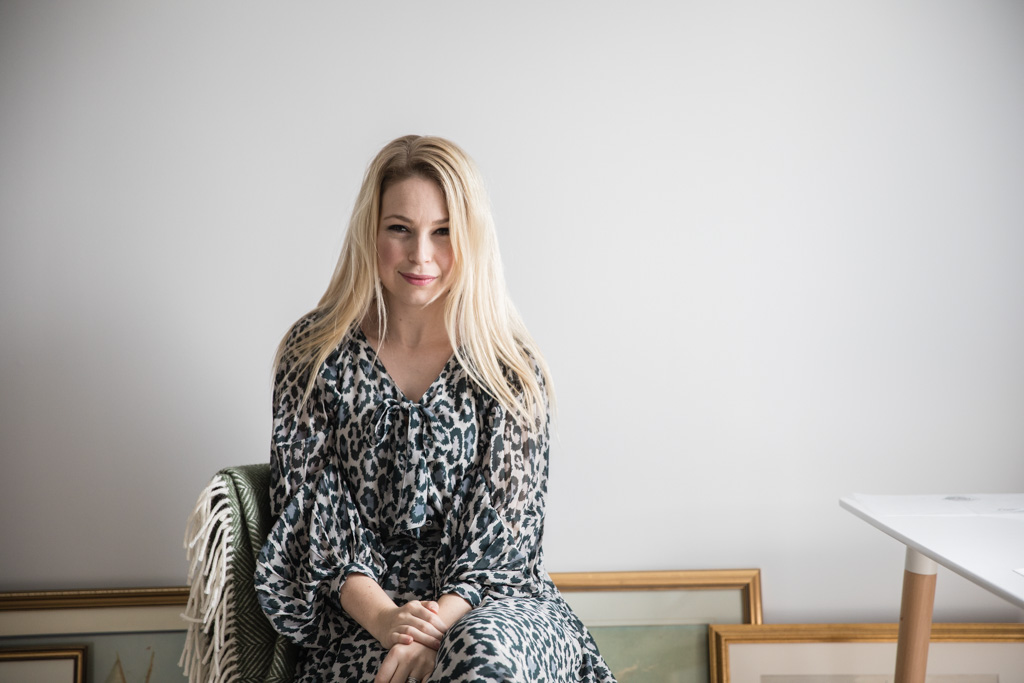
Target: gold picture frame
84	599
652	626
138	628
717	596
44	664
744	653
746	581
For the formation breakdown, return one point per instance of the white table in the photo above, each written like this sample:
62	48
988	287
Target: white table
979	536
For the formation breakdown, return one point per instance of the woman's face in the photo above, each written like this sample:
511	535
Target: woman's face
414	252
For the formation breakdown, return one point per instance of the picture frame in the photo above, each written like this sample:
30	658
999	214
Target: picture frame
98	598
652	626
131	634
43	664
865	653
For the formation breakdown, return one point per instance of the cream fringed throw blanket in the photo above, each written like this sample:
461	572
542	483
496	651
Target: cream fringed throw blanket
229	639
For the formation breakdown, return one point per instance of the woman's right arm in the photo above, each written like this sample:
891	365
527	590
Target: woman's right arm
317	540
301	440
318	537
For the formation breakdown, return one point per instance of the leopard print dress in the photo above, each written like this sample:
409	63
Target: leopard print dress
429	497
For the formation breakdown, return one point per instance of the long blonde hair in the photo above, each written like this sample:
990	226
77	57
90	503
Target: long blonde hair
490	340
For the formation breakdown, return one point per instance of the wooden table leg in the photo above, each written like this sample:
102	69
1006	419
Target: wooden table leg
915	618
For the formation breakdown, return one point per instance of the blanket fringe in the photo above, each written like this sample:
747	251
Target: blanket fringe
207	657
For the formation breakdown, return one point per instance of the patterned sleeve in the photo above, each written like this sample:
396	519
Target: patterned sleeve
317	539
495	536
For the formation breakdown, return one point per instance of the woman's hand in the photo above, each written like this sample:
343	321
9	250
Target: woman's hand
405	661
413	622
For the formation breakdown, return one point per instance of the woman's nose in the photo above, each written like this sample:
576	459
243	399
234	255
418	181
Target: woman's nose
422	249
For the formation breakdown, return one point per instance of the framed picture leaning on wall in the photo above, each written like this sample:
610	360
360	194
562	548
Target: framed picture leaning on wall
652	626
131	634
64	664
866	653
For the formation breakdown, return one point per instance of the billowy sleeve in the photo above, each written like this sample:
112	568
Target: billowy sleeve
318	538
494	537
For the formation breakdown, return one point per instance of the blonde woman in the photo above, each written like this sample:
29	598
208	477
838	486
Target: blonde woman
410	452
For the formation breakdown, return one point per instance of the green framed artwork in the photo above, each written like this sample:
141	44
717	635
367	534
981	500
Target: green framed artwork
653	626
131	636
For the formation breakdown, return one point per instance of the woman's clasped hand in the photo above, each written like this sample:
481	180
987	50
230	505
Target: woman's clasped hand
415	621
412	635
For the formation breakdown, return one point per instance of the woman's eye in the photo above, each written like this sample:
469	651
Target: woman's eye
398	228
443	232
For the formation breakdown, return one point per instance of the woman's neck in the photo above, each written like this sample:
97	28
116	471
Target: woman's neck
409	328
414	351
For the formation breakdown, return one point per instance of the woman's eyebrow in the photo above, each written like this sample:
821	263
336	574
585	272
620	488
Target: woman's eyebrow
402	218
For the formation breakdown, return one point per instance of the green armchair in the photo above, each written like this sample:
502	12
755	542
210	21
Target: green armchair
229	639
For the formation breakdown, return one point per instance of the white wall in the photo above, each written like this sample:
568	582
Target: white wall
774	252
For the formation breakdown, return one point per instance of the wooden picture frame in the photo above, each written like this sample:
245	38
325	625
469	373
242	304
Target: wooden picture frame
103	598
770	653
658	618
130	610
63	664
652	626
746	582
139	632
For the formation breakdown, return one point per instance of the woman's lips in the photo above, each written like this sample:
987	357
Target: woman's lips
418	280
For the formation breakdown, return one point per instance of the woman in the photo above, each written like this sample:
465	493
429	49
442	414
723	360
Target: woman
410	451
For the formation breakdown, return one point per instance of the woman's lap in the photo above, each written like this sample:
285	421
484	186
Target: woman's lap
509	639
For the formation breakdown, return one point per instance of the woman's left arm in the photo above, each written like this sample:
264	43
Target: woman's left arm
495	534
451	608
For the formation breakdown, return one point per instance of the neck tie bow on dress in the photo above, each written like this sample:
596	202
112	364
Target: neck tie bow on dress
427	441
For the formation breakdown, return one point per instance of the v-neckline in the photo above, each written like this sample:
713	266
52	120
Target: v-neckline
379	364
